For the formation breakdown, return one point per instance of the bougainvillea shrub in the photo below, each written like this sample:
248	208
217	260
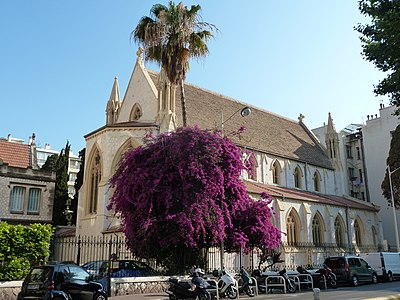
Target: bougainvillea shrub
181	192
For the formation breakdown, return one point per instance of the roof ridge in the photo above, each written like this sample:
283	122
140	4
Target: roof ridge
231	99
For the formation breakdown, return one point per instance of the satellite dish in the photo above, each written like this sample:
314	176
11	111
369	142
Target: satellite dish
245	111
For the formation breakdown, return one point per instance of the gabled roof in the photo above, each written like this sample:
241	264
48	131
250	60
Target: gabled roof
300	195
265	131
15	154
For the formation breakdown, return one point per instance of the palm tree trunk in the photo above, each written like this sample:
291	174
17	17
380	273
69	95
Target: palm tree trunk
183	103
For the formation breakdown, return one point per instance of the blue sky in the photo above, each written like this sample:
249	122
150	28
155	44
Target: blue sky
59	58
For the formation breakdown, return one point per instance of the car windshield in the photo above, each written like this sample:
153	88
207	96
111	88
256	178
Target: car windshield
39	274
77	273
335	262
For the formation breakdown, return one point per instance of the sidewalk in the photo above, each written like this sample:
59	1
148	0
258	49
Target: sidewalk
157	296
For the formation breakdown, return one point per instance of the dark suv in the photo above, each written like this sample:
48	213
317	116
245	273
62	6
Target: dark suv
351	269
60	282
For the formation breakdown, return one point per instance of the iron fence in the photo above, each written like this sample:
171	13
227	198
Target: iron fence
81	249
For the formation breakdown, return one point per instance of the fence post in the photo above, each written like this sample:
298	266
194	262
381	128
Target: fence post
78	255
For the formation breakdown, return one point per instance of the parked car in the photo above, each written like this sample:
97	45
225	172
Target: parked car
351	269
387	264
62	282
120	268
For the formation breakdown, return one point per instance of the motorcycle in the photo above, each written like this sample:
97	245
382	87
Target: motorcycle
246	283
328	276
227	285
179	290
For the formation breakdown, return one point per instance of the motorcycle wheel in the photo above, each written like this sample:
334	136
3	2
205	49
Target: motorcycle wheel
291	286
232	292
332	283
251	291
205	296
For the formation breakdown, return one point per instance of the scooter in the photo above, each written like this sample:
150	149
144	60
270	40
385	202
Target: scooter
246	284
179	290
227	284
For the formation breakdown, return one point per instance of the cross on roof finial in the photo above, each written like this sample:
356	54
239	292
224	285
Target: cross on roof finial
301	117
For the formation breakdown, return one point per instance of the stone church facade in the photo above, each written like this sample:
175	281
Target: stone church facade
305	178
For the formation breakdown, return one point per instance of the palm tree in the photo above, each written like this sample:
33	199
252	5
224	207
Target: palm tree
171	36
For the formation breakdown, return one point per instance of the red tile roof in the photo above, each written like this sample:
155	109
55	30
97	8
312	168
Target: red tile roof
15	154
295	194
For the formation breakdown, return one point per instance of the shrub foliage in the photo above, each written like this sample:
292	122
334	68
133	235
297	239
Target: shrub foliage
181	193
21	246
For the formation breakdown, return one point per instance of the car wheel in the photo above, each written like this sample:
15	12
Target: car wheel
374	278
354	280
390	277
100	297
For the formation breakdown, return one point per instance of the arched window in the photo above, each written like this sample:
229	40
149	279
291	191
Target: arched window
317	181
318	229
339	231
252	172
136	113
374	236
293	228
276	173
358	232
297	178
94	177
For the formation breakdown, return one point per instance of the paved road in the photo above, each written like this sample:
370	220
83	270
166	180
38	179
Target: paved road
381	291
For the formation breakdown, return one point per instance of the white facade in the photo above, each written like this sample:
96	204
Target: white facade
377	138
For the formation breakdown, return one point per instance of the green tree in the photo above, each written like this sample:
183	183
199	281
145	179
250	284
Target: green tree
170	37
381	43
393	161
59	164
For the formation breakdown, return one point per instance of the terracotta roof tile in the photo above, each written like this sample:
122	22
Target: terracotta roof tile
15	154
265	131
295	194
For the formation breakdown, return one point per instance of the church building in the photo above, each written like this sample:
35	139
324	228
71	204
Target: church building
304	177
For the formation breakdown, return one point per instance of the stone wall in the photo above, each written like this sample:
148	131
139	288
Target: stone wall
119	286
9	290
134	285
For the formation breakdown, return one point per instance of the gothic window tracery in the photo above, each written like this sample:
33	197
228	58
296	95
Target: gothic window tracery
94	179
292	228
339	231
276	173
317	230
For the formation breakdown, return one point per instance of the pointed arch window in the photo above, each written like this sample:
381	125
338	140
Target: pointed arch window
252	173
358	232
94	179
297	178
276	173
339	231
136	113
317	181
318	230
292	228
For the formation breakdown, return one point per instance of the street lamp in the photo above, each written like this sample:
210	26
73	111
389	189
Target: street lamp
244	112
396	231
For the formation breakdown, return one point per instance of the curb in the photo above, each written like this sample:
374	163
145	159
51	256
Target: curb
391	297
